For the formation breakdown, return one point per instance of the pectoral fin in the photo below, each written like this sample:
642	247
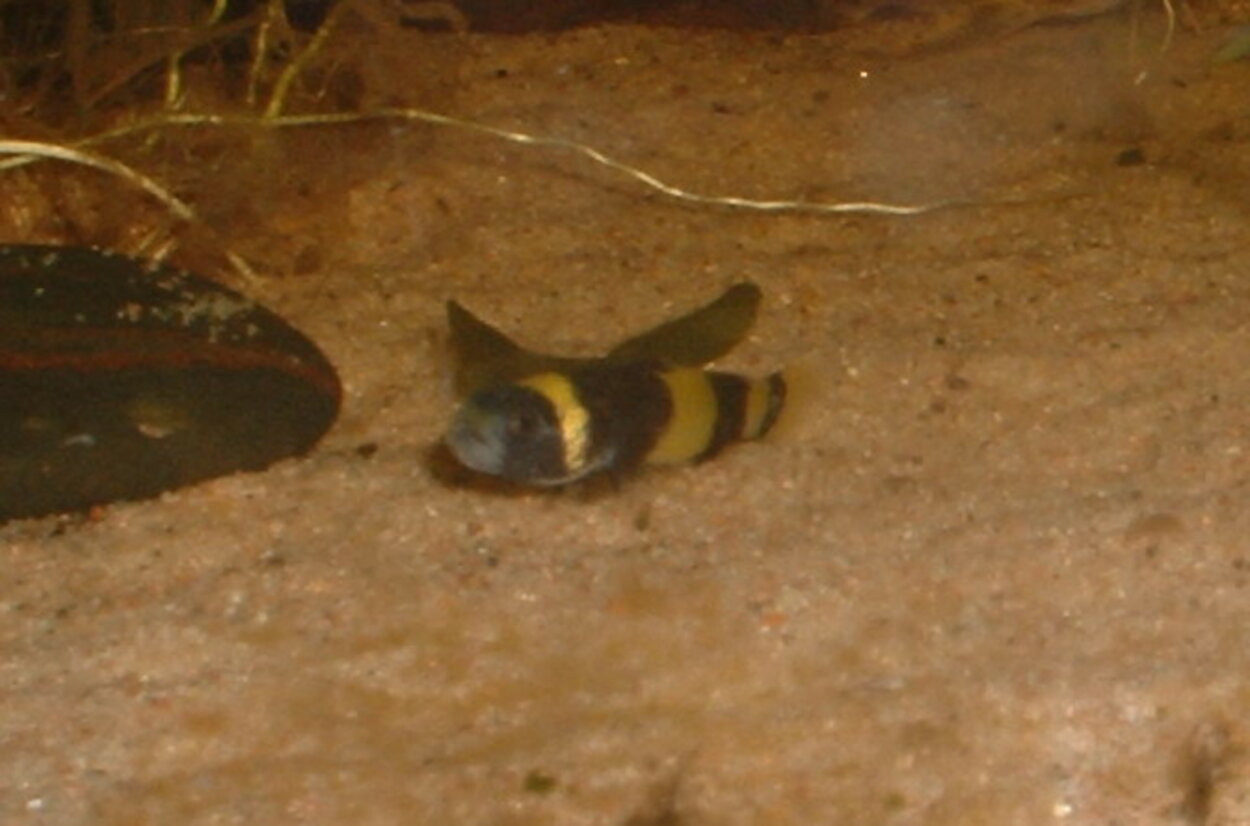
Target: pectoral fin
485	356
699	337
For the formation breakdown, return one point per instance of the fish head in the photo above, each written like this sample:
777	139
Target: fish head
510	431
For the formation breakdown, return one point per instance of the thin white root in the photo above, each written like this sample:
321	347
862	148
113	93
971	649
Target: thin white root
28	149
595	155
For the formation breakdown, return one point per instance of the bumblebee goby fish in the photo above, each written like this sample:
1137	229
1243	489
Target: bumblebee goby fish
547	420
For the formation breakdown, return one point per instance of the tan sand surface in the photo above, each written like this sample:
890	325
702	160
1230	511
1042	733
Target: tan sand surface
993	570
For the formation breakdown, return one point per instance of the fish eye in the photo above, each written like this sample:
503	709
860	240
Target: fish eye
523	423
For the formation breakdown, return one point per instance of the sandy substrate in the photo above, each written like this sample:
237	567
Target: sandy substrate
993	570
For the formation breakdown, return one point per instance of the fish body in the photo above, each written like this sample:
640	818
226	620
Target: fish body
546	420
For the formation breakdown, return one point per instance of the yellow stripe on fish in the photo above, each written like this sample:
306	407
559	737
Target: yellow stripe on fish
693	410
573	418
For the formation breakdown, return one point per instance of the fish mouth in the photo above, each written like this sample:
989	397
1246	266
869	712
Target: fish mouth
473	438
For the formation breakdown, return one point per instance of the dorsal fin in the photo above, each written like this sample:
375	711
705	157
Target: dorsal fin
698	337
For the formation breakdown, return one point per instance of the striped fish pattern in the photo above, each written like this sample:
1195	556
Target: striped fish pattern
544	420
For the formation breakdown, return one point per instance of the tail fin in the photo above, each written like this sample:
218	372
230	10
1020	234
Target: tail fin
767	401
791	394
